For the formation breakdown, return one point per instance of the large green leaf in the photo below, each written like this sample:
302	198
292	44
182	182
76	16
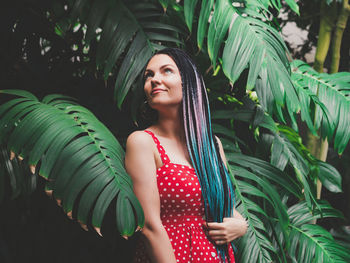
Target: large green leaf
310	242
124	30
304	241
239	36
218	26
255	45
268	171
189	6
332	115
205	10
286	148
17	174
300	213
330	177
255	245
283	151
256	117
76	153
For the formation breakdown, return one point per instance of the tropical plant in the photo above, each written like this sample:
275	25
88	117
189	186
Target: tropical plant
79	157
333	21
274	173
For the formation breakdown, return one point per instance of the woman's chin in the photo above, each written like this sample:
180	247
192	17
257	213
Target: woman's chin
160	104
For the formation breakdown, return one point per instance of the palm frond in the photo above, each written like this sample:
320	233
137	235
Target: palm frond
283	151
218	27
268	171
310	242
189	7
313	243
286	148
300	213
277	4
342	235
253	45
128	29
80	158
13	172
330	177
257	117
255	245
332	115
203	19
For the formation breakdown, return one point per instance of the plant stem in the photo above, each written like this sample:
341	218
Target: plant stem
319	149
327	23
317	146
338	35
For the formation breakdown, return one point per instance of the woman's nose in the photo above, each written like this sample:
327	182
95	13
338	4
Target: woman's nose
155	79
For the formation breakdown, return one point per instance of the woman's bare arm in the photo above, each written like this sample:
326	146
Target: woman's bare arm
140	165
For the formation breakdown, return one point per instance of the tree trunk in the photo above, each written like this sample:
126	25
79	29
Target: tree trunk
319	149
338	35
327	23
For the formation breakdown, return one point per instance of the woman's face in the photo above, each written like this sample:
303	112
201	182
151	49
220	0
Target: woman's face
163	85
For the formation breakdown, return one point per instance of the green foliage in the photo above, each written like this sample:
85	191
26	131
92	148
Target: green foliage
274	174
80	158
328	96
266	192
312	242
128	29
250	44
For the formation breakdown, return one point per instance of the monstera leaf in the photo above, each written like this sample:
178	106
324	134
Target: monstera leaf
78	156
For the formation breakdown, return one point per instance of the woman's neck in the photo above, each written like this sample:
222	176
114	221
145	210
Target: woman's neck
170	126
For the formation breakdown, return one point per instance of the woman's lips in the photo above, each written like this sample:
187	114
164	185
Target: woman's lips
155	91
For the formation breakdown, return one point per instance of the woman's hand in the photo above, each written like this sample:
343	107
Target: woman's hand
230	229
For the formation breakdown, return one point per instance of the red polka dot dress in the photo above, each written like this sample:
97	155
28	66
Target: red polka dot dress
182	213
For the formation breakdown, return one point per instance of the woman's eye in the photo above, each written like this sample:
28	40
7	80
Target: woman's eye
168	70
147	75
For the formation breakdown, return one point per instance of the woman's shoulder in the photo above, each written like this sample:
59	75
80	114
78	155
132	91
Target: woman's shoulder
139	138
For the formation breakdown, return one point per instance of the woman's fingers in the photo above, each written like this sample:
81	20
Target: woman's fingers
215	225
216	233
225	232
215	238
223	225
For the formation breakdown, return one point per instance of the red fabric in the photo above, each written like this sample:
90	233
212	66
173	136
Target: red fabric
182	213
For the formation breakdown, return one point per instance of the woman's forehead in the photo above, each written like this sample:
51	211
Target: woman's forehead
160	60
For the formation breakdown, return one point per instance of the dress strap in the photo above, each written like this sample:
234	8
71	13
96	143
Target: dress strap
163	155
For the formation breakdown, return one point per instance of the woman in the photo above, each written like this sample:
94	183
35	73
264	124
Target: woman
178	170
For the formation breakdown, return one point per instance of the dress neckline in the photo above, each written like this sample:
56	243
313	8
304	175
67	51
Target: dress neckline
164	157
178	164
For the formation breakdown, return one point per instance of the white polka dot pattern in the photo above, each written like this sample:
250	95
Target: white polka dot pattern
182	213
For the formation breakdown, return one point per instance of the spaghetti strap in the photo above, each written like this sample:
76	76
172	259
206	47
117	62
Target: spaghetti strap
163	155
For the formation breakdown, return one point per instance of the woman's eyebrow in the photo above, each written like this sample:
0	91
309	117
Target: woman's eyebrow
166	65
161	67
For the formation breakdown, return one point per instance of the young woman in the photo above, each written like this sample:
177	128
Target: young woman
178	170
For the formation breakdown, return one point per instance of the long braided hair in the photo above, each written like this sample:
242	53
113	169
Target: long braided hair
217	187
